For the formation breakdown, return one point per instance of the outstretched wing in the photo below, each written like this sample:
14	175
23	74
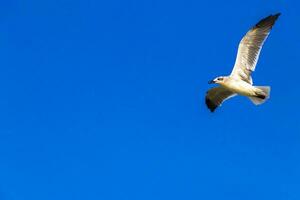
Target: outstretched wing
216	96
250	46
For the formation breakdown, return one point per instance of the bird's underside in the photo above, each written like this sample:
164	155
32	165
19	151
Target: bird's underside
246	60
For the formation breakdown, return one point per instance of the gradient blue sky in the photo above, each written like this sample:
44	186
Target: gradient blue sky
105	100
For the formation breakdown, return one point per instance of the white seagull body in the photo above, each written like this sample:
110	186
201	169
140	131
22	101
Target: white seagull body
240	81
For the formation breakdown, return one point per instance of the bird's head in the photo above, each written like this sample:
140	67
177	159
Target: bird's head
218	80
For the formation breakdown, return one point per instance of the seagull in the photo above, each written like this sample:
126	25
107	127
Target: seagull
239	82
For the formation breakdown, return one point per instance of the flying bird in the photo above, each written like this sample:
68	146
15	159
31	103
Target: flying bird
239	82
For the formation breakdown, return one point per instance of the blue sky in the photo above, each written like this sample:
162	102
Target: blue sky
105	100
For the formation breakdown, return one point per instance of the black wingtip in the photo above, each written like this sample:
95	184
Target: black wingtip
277	15
268	21
210	105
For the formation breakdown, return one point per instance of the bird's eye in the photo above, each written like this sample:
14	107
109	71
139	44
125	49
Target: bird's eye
220	79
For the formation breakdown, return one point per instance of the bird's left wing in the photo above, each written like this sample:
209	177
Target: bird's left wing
250	46
216	96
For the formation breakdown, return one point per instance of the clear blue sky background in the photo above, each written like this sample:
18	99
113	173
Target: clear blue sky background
105	100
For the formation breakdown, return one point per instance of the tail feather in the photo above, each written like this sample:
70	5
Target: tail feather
262	96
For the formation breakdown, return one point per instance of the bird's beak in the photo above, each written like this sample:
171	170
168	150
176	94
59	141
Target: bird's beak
211	82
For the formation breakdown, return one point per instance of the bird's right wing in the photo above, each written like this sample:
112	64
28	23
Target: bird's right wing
250	46
216	96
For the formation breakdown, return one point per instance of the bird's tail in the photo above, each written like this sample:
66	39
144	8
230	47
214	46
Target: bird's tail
262	94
